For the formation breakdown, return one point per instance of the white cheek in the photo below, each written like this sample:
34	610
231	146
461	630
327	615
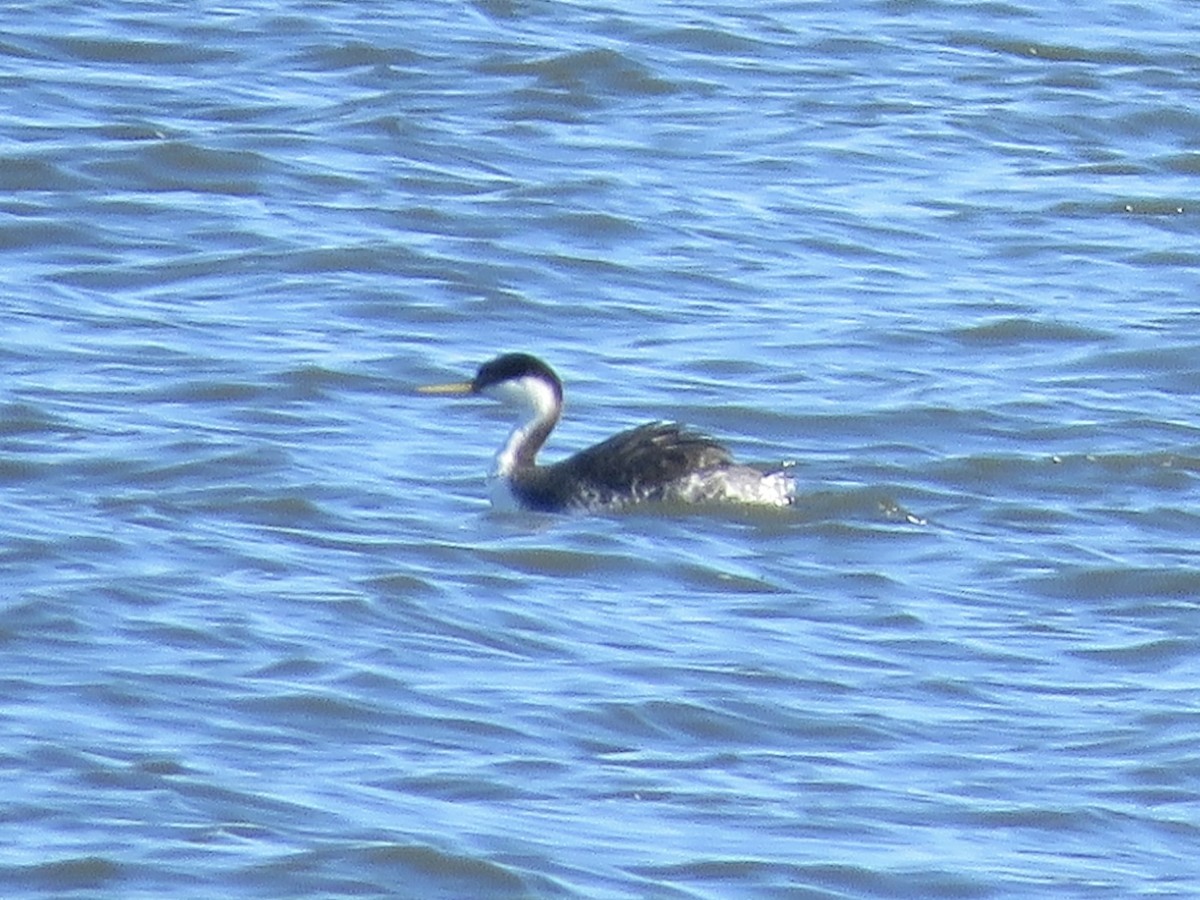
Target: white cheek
530	394
508	392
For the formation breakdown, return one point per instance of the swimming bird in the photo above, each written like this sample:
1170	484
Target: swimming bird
659	462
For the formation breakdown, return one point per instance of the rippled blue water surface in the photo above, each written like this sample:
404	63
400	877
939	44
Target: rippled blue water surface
260	635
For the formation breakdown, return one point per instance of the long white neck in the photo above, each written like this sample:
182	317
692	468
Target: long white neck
539	407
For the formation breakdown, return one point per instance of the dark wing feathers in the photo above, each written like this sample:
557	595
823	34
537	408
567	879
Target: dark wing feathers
638	463
652	454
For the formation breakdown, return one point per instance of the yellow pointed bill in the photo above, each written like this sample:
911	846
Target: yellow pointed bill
454	387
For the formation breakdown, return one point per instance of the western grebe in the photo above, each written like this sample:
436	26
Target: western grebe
655	462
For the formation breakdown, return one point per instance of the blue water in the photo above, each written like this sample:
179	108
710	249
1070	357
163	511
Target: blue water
260	635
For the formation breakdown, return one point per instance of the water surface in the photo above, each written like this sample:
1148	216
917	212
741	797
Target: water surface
262	636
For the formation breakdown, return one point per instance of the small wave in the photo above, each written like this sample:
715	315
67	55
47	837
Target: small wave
388	869
1028	331
588	73
1114	583
83	873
